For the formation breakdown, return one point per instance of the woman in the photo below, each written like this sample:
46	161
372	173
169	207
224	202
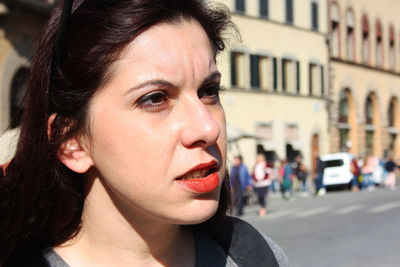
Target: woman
121	157
262	178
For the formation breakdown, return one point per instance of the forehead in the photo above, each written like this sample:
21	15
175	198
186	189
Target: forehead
167	46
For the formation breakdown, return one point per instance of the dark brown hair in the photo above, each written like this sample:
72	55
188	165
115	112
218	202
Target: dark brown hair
41	200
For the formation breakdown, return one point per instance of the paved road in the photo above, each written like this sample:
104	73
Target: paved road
341	229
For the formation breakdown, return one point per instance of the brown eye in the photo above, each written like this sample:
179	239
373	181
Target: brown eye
210	95
153	101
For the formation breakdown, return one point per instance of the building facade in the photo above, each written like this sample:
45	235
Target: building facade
364	48
276	79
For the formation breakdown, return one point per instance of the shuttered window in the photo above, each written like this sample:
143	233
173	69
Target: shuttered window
297	77
275	74
289	11
255	71
240	6
314	16
264	8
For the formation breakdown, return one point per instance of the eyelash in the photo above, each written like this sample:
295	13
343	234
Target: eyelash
212	94
146	102
158	100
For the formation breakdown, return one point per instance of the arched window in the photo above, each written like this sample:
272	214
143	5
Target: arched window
392	50
392	118
391	113
18	89
369	111
343	108
369	120
350	34
335	33
379	45
365	39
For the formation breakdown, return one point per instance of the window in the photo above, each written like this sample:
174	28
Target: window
238	70
369	141
261	72
316	81
343	139
255	71
290	76
275	74
314	15
264	131
379	46
343	108
289	11
392	54
392	113
291	132
350	35
240	6
365	39
392	141
334	25
264	12
369	111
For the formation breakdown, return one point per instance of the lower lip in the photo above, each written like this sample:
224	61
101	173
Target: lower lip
202	185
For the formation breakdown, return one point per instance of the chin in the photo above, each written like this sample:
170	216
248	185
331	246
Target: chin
202	211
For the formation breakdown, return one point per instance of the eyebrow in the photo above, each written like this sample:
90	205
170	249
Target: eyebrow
163	83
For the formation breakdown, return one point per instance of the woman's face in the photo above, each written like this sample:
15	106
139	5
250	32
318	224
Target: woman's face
157	129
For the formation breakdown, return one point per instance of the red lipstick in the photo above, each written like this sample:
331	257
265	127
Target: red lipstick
201	185
204	184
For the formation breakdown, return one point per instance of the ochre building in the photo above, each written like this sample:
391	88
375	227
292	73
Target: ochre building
364	49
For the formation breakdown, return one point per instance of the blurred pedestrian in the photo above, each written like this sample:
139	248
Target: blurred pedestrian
301	174
356	171
274	187
320	189
285	177
261	181
367	172
240	182
390	167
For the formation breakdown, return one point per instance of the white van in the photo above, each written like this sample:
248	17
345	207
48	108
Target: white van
337	169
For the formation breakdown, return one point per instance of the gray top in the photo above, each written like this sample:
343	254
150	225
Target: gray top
208	253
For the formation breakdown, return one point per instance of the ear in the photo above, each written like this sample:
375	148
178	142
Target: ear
72	153
75	156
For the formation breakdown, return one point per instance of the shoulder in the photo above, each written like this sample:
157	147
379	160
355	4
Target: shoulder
246	245
41	257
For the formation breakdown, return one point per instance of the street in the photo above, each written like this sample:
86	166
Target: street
342	228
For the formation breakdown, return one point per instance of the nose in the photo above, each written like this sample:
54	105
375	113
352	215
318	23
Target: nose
200	127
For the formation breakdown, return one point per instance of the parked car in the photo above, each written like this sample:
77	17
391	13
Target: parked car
337	169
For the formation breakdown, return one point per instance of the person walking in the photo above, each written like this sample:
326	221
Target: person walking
301	173
367	171
390	167
262	178
320	189
240	182
355	170
285	178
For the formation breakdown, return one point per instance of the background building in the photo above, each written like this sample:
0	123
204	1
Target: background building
276	79
20	26
364	79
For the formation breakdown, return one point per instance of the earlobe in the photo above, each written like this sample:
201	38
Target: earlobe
71	153
74	156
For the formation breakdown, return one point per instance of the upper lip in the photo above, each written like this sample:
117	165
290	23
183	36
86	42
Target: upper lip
211	165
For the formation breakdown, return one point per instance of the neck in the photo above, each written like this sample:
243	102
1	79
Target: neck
113	234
